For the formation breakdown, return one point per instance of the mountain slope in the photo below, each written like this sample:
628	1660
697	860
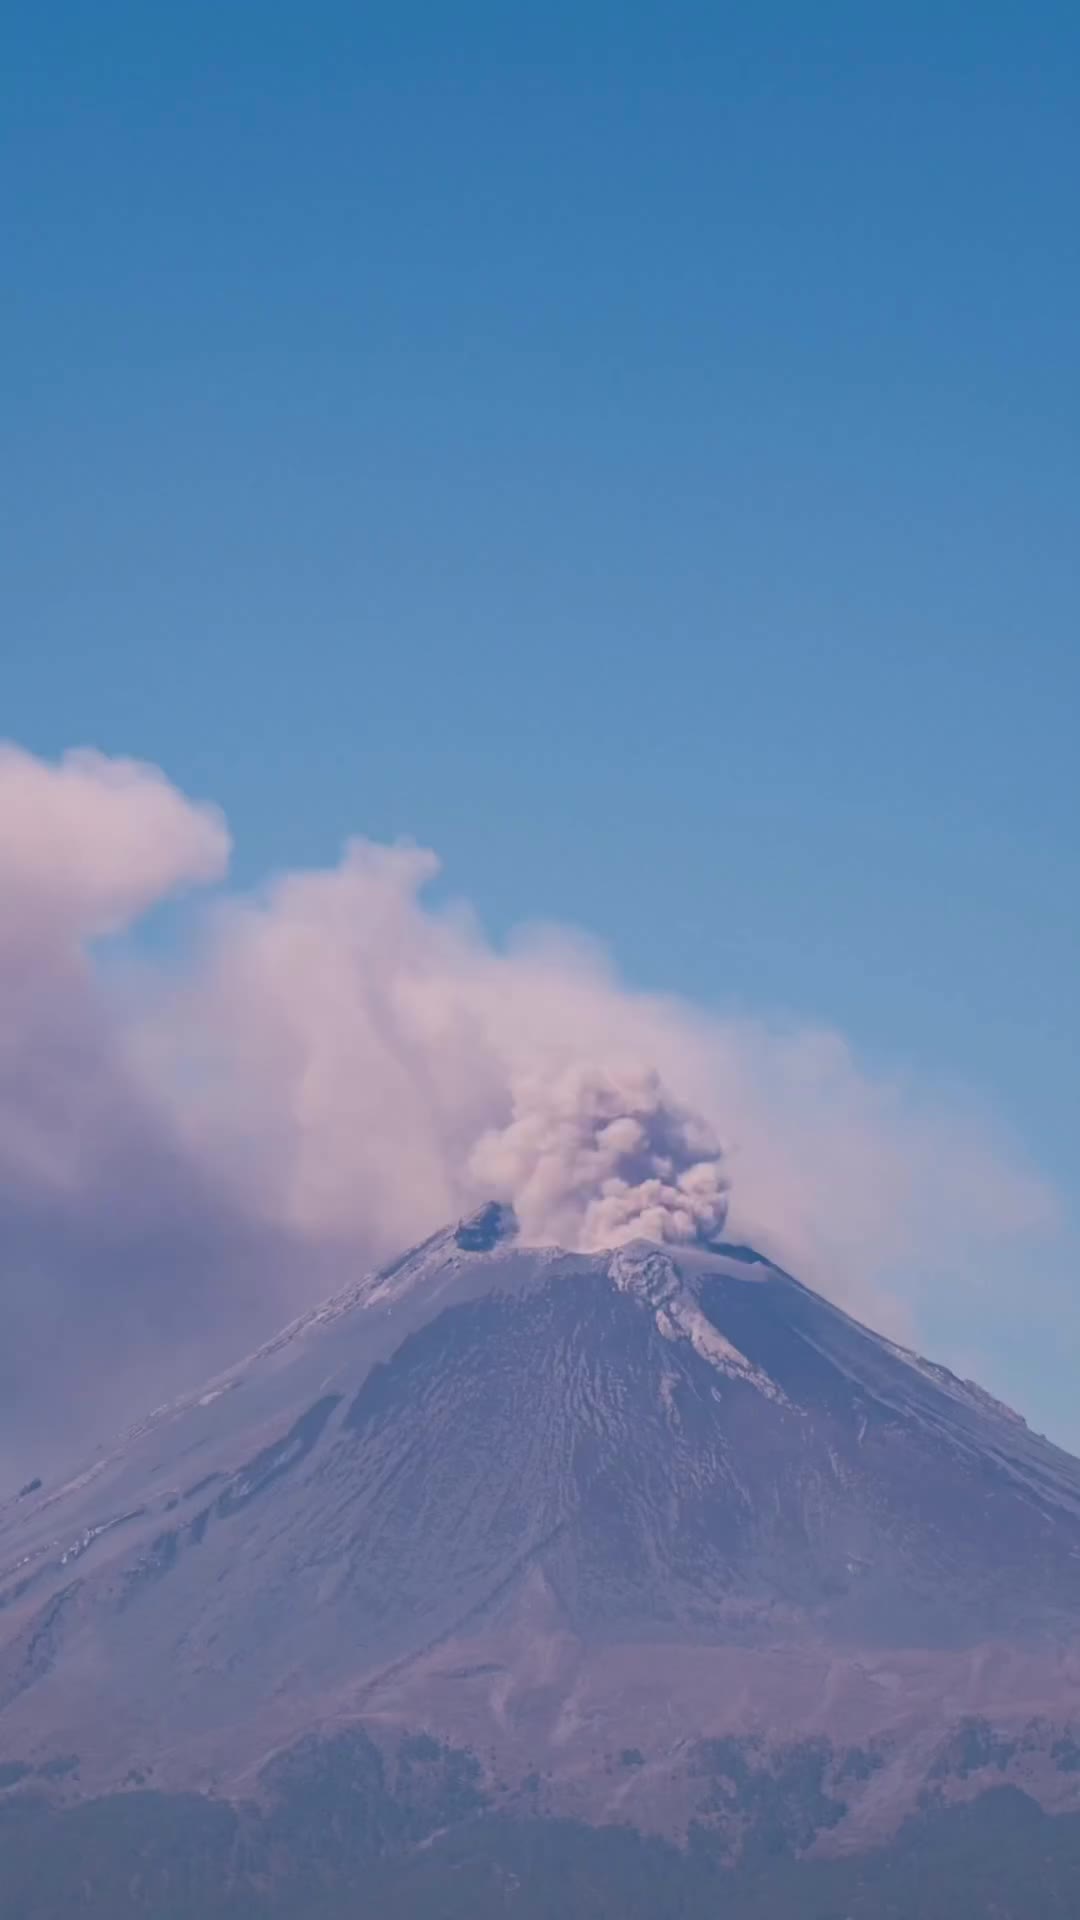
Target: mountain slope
656	1502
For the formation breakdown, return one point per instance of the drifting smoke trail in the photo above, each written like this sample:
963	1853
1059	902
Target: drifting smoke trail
339	1070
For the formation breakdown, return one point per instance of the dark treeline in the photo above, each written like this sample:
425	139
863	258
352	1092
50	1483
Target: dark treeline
339	1838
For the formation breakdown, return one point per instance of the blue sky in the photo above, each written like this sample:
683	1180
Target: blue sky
632	449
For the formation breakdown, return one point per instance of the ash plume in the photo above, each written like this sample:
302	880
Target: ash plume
192	1151
593	1159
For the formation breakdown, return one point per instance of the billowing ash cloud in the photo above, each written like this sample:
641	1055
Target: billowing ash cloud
338	1069
593	1159
119	1246
87	845
85	848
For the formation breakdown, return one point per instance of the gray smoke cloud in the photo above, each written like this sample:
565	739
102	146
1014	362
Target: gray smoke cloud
121	1248
189	1155
593	1159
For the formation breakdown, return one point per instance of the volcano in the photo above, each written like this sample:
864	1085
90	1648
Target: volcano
631	1529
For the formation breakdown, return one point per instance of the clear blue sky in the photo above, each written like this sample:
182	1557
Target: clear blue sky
633	448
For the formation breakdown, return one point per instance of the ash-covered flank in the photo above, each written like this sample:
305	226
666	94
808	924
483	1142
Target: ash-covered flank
554	1507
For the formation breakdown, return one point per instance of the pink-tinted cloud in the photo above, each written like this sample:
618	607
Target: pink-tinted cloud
90	843
369	1067
340	1069
112	1234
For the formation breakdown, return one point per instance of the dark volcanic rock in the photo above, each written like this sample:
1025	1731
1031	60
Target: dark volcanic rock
484	1229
